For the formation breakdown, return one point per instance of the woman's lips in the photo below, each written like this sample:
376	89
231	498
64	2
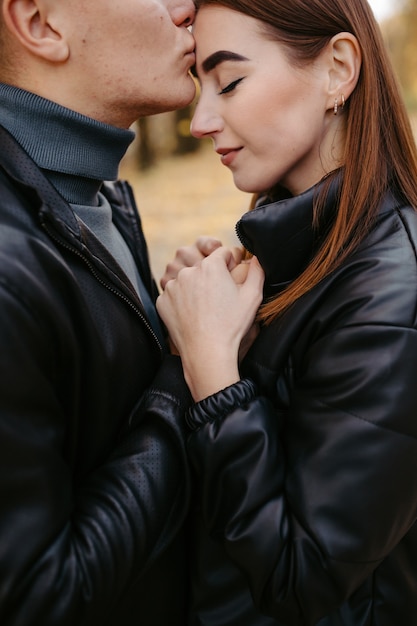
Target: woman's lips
228	155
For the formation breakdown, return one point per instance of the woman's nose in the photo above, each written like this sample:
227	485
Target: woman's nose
205	122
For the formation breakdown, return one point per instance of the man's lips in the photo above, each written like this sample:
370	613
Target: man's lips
228	155
190	56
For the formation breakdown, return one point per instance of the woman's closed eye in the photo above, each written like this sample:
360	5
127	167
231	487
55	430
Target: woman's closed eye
231	86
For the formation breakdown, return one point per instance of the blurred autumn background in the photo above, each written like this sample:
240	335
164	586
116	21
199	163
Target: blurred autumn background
182	189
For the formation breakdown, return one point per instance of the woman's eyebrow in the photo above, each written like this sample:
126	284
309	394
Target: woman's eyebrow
219	57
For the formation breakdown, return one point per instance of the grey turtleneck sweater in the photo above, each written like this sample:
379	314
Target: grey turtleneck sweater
77	154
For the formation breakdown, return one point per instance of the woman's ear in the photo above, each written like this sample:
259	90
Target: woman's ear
345	67
33	23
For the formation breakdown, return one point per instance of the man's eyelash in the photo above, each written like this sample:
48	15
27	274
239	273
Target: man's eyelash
230	86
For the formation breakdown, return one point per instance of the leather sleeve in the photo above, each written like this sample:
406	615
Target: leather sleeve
308	501
71	545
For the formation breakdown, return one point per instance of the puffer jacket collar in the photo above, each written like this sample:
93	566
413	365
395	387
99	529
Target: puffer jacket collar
281	236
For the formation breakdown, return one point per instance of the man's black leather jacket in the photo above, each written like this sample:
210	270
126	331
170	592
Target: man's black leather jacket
93	481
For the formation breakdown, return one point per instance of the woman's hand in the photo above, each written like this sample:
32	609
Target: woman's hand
208	314
188	256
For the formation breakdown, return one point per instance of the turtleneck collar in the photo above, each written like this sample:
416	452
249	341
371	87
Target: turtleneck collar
281	234
77	153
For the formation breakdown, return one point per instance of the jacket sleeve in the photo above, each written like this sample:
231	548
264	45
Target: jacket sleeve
70	545
308	501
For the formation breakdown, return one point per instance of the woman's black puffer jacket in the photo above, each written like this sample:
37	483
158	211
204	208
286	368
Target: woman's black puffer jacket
307	468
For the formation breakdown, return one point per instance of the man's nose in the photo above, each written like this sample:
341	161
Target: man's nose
183	13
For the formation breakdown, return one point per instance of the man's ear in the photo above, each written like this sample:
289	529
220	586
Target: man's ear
345	66
33	24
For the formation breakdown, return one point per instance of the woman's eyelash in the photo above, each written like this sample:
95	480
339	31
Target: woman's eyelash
230	86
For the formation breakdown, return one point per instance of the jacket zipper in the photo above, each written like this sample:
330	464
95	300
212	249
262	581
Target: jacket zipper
102	282
242	238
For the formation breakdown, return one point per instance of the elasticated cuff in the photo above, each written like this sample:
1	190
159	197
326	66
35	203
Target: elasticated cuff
220	404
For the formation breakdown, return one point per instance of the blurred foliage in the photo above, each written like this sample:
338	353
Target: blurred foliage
169	133
400	33
163	135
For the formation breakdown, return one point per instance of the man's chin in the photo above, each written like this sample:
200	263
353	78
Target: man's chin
170	102
186	96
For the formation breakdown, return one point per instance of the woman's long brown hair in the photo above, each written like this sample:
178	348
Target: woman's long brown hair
380	150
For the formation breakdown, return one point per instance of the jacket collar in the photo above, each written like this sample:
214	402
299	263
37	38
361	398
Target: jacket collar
56	215
281	234
20	166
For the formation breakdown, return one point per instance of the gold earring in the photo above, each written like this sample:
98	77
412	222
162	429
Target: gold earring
336	104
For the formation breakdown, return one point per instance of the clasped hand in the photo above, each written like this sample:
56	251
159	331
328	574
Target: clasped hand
209	308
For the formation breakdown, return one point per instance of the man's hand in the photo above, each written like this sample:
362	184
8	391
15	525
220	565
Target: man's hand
189	256
239	275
